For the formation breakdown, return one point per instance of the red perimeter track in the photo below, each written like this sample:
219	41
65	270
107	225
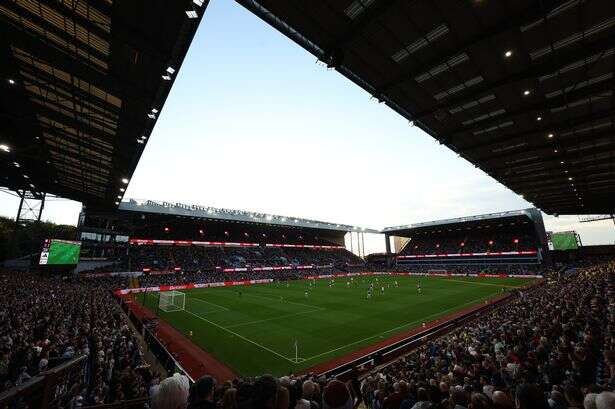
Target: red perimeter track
197	362
191	357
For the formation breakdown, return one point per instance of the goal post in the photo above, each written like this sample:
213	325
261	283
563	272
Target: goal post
170	301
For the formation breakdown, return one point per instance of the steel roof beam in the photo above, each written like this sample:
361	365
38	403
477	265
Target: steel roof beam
80	68
52	29
547	149
541	105
527	16
553	64
540	131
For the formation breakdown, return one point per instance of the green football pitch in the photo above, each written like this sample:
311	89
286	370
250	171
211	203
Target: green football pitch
253	329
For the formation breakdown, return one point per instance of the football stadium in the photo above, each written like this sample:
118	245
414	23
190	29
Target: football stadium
150	304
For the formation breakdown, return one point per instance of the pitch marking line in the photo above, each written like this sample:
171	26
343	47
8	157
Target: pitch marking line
241	336
399	327
477	283
210	303
278	299
241	324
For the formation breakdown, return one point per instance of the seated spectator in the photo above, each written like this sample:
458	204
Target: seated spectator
172	393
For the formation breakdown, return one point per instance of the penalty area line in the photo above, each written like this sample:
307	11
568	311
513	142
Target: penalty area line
240	336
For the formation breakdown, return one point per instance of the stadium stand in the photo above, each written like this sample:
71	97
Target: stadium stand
507	241
200	258
553	342
521	89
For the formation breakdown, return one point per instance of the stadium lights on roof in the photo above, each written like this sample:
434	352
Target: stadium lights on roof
125	181
16	164
191	14
11	81
119	196
526	92
539	118
166	77
26	177
198	2
508	53
170	70
32	186
154	110
122	189
151	116
5	148
141	141
117	203
550	135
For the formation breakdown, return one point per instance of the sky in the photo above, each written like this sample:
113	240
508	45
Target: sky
253	122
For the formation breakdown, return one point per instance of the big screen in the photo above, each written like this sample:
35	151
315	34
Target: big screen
564	241
60	252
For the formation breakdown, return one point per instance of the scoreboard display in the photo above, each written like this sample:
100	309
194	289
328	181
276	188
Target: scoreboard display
564	241
60	252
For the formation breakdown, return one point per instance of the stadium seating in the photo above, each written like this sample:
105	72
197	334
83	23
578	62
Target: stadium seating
552	346
470	242
199	258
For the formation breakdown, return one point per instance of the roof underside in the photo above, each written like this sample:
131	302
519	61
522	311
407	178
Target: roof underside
505	222
81	87
444	65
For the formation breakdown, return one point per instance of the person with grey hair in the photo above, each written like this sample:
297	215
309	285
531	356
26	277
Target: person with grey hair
172	393
605	400
590	401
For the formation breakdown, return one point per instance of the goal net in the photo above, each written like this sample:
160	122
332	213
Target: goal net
172	301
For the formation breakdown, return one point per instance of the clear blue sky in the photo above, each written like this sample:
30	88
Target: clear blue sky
254	123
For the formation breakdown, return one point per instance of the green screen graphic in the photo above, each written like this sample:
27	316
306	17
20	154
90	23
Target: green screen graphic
60	252
564	241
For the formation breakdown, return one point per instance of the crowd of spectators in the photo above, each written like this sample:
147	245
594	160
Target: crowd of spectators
195	258
551	347
470	241
478	268
48	321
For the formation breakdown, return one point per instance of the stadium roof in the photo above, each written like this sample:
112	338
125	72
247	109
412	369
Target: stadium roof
216	213
81	85
529	213
522	89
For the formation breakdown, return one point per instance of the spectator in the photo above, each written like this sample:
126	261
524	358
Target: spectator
265	393
172	393
605	400
336	396
202	394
